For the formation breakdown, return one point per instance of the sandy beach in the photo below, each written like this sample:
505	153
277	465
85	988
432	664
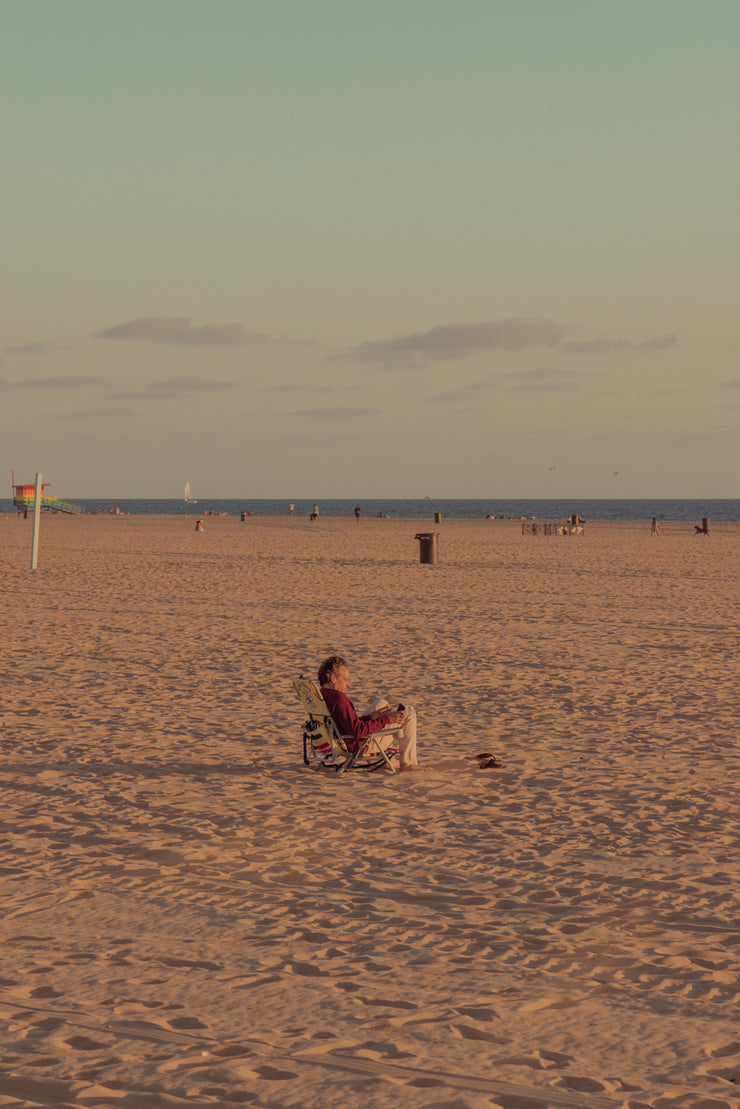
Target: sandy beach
193	918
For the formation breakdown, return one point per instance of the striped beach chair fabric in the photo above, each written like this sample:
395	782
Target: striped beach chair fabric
324	746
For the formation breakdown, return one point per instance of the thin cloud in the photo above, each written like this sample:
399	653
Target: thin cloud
178	330
338	413
602	345
174	387
733	383
302	387
188	384
596	346
545	379
34	348
63	382
471	393
455	340
660	342
91	414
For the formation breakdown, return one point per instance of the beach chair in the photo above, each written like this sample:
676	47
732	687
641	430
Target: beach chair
322	743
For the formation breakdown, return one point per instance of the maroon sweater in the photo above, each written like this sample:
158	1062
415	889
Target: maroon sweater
346	719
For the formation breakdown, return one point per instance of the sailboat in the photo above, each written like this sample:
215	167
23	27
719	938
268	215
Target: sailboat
189	498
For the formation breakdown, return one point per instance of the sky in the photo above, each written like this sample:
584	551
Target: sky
370	248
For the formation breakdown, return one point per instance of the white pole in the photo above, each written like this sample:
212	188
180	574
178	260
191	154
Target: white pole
36	519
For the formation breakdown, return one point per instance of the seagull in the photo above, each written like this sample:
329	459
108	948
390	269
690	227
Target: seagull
616	473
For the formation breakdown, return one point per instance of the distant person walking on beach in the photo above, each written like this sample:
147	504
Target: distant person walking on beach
654	529
358	510
334	679
314	513
291	508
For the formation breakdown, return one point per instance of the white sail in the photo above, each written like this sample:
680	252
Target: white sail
188	495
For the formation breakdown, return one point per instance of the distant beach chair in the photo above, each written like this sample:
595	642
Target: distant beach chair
324	746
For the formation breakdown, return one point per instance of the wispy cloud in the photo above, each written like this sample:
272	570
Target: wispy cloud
178	330
546	379
308	387
338	413
61	382
34	348
173	387
91	414
733	383
596	346
602	345
187	384
455	340
659	342
465	395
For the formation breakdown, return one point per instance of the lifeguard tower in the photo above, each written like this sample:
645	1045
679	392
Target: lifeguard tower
24	498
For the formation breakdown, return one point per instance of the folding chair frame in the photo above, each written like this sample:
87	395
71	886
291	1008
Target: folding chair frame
323	743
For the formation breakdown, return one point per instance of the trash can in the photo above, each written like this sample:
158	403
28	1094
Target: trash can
244	516
438	517
427	546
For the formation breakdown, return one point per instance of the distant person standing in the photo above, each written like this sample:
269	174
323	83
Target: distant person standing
358	511
314	513
291	508
654	529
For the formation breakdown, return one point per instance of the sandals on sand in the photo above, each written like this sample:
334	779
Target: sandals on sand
485	760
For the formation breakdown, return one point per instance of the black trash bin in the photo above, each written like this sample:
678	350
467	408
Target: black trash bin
427	547
438	517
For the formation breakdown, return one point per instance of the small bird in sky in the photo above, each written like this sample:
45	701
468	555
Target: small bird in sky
616	473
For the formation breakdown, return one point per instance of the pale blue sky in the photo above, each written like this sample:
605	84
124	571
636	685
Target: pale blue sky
341	248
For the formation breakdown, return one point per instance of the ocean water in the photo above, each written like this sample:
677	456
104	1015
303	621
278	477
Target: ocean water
451	509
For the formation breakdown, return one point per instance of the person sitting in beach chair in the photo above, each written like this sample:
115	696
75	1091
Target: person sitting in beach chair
323	743
397	725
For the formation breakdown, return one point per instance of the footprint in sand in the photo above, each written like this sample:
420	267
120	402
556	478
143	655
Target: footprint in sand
84	1043
477	1012
729	1069
721	1050
45	993
564	1002
186	1023
273	1074
468	1032
583	1085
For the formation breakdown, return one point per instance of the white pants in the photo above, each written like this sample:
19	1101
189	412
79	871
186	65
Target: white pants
404	737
